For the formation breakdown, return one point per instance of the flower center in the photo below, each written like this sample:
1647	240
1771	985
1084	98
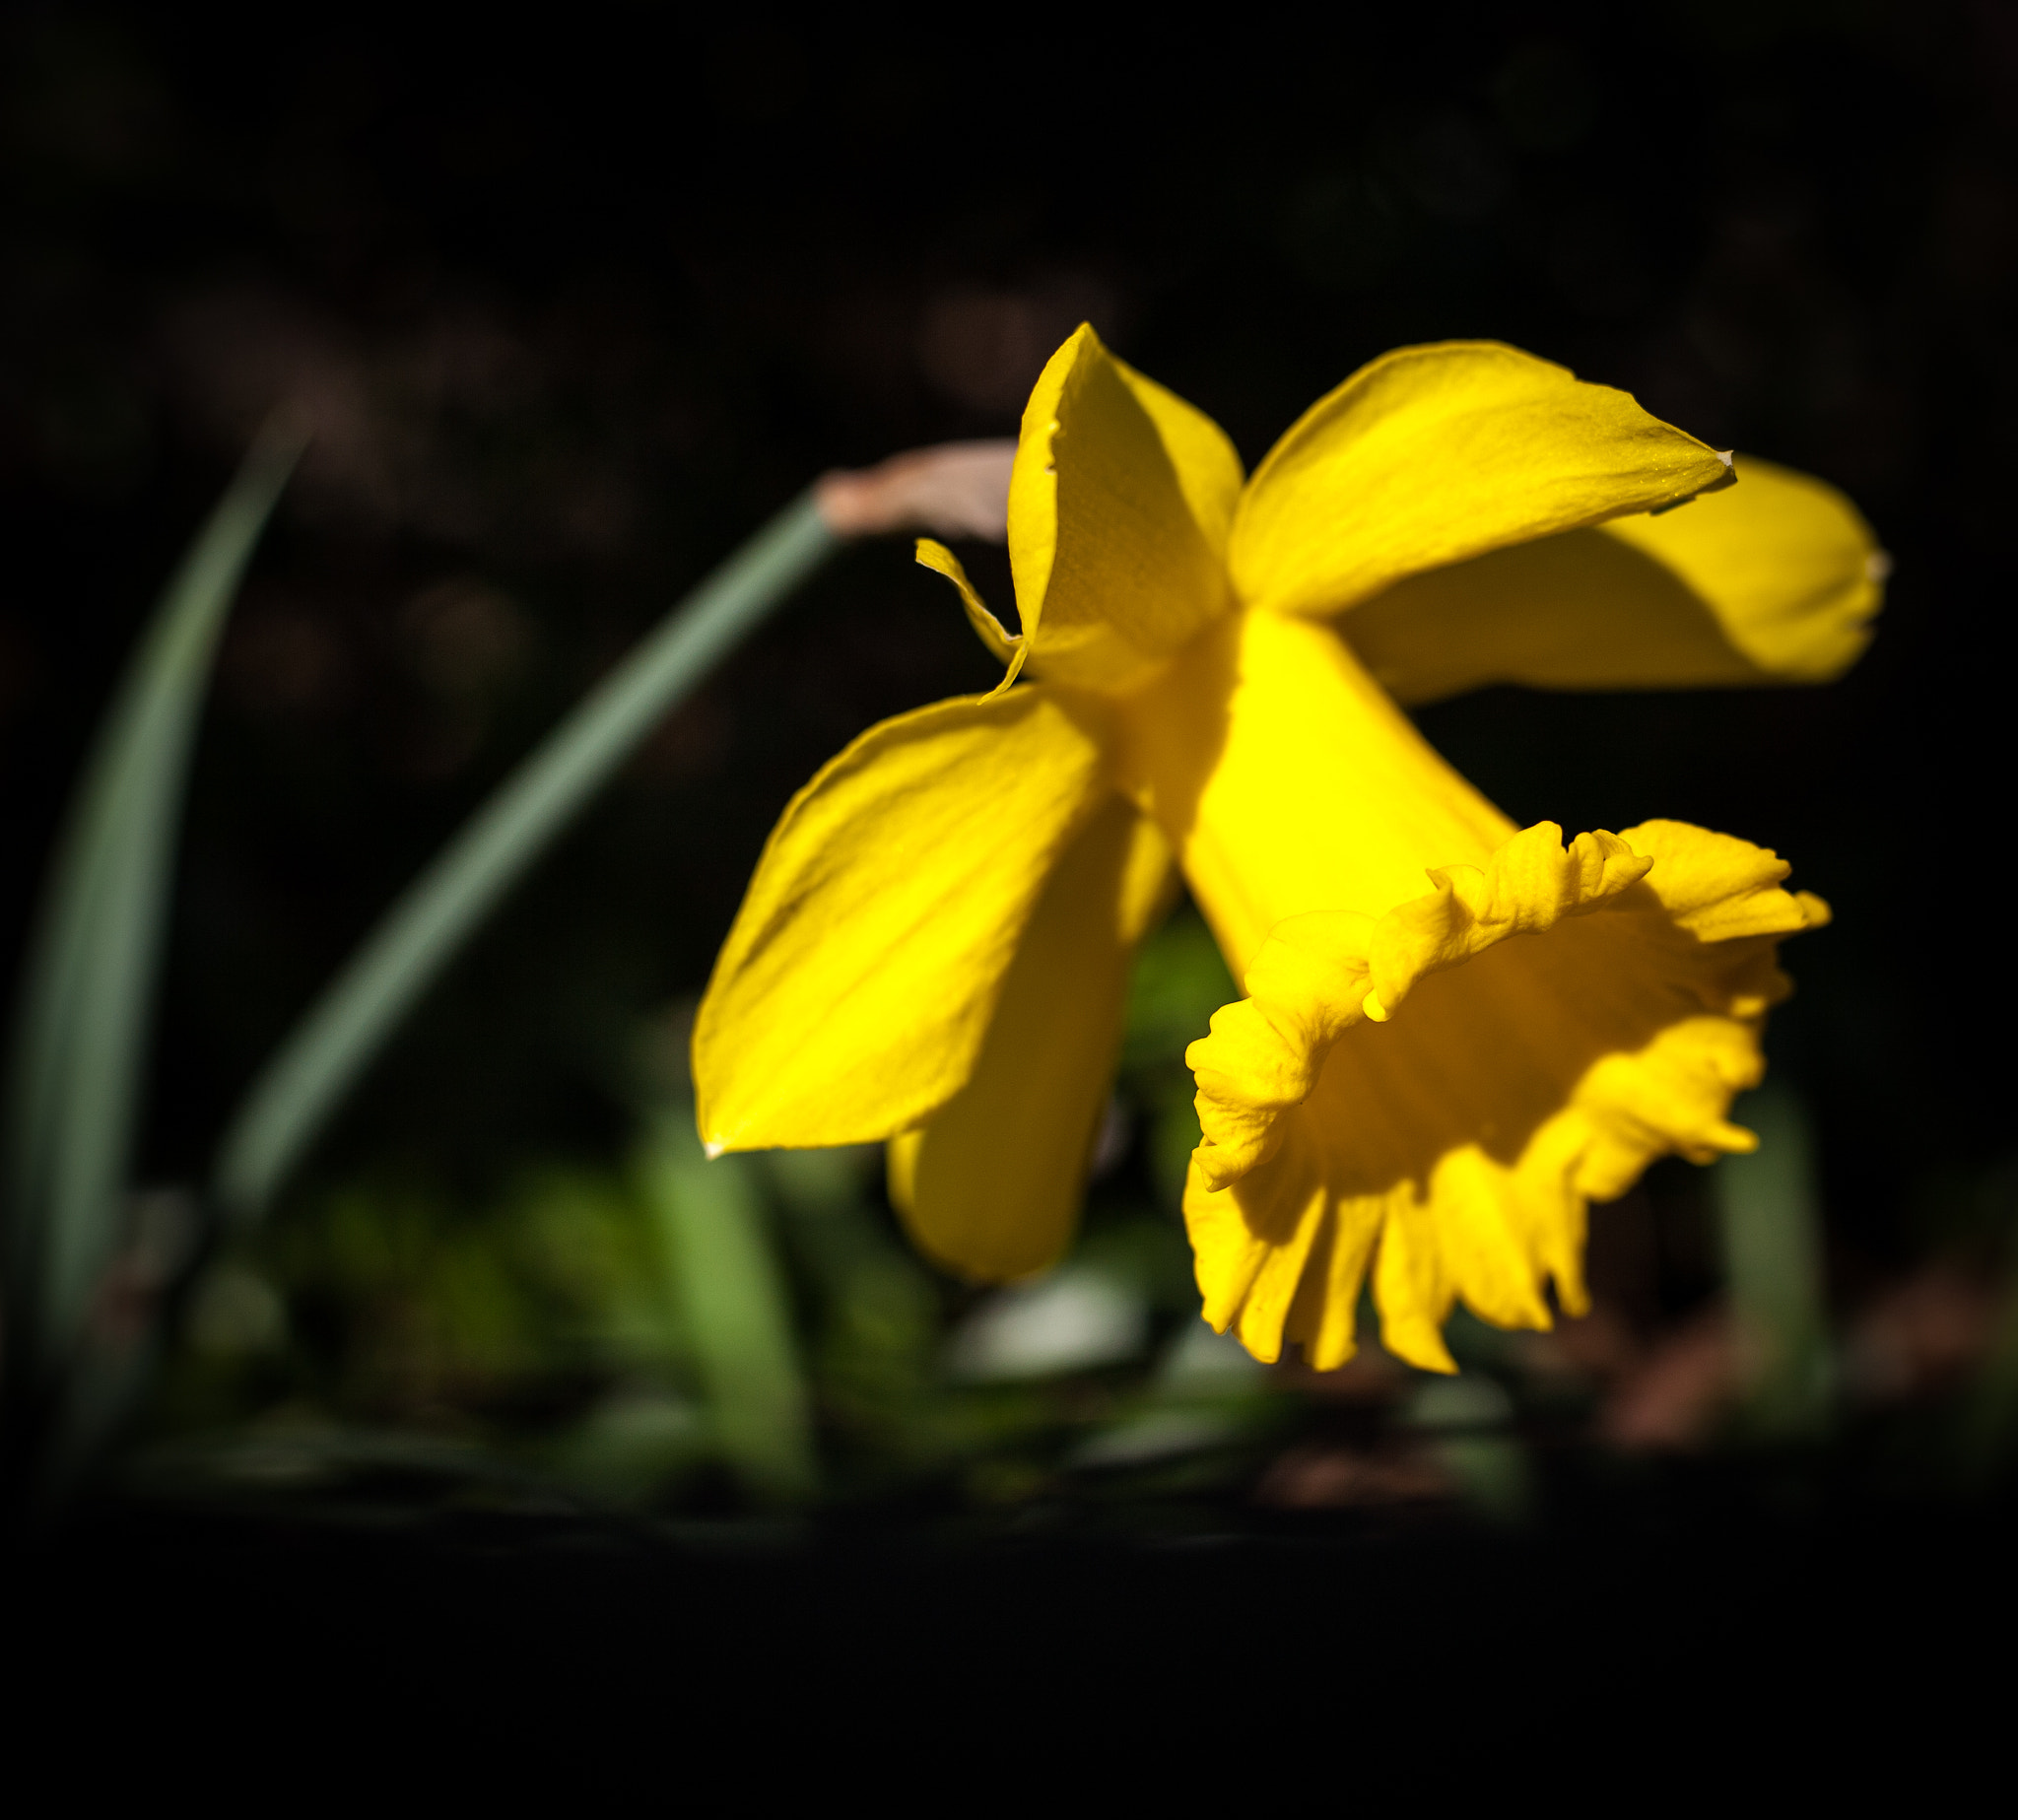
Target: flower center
1289	781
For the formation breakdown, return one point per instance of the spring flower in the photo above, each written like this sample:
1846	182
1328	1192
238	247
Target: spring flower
1455	1033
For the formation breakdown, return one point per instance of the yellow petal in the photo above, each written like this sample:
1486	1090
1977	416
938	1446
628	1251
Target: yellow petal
1774	580
1291	784
1273	1263
1526	888
1599	1010
1434	455
1261	1060
1119	505
852	994
991	1187
1006	647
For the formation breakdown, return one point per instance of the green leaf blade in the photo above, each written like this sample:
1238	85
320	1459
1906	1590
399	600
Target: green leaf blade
725	1281
81	1039
308	1078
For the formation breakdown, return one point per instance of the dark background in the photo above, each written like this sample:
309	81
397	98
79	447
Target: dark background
575	304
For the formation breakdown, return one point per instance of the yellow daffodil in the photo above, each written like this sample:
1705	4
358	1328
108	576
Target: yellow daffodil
1456	1033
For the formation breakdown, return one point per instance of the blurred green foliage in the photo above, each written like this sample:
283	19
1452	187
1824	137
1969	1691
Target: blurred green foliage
696	1339
747	1332
1180	982
1771	1230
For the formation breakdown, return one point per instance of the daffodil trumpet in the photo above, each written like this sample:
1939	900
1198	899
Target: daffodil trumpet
1456	1034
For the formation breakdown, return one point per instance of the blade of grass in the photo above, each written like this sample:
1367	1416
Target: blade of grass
305	1082
1773	1258
726	1284
81	1039
1987	1424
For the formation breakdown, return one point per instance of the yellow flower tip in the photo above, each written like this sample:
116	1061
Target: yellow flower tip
1014	670
1006	647
1452	1151
953	489
1216	1169
715	1147
1816	909
1717	483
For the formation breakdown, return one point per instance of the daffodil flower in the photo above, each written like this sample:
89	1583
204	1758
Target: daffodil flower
1456	1033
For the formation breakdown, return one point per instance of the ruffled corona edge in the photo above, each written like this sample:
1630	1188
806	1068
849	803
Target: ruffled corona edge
1422	1095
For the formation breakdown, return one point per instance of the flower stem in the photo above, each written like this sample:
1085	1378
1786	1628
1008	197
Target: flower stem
307	1079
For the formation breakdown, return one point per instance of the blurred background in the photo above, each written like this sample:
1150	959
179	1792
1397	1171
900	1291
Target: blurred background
573	308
